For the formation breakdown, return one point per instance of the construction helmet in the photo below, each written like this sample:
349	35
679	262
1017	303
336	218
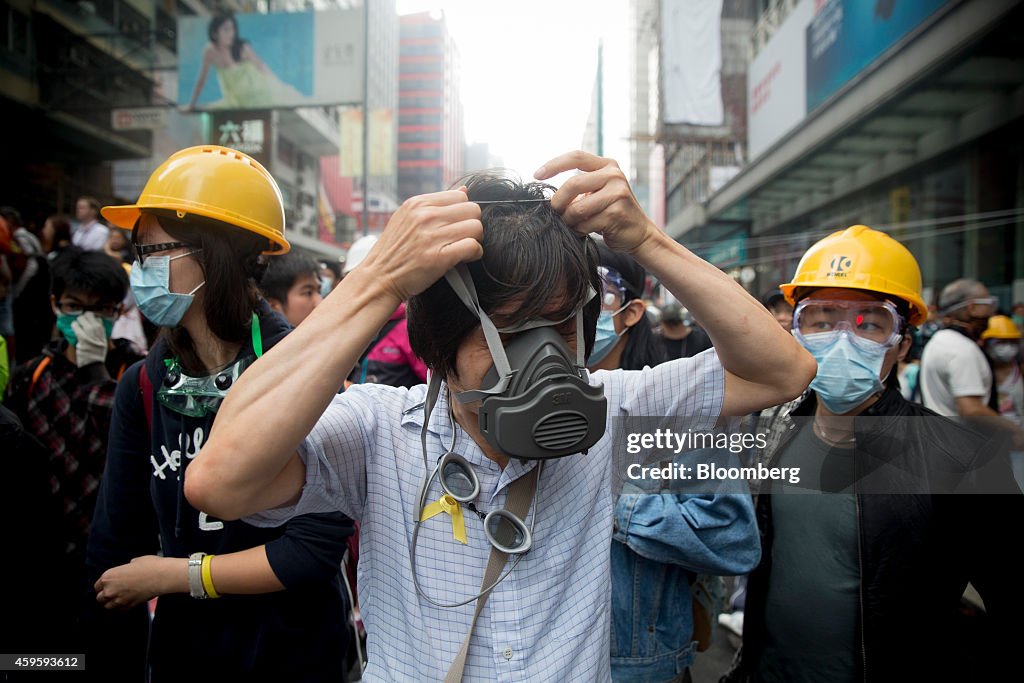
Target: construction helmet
1001	327
214	182
861	258
357	252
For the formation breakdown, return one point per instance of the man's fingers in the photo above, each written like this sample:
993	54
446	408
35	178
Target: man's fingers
577	159
442	198
470	228
576	186
579	213
462	251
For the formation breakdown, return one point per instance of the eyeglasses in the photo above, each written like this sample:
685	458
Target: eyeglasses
613	288
816	320
77	308
144	250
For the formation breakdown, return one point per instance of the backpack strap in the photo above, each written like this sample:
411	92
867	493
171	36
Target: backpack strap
146	386
38	372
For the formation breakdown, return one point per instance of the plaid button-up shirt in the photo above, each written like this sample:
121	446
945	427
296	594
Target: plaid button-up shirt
68	410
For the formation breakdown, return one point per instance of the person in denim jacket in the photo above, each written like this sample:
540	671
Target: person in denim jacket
667	546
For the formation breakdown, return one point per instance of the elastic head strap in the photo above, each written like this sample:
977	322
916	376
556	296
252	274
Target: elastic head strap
461	283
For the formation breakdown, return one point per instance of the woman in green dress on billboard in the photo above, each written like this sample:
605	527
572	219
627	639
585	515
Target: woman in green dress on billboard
246	82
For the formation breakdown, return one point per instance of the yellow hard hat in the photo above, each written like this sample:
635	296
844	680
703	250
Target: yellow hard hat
861	258
214	182
1001	327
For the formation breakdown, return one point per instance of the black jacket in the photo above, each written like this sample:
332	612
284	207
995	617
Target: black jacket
918	552
299	634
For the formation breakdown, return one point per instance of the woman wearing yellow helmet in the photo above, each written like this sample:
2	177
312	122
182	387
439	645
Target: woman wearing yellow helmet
1002	346
199	232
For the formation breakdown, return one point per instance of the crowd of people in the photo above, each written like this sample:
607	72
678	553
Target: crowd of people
235	458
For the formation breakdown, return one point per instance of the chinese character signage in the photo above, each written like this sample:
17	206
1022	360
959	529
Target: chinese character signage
246	131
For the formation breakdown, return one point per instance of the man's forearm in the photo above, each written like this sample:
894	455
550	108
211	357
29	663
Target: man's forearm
749	341
278	400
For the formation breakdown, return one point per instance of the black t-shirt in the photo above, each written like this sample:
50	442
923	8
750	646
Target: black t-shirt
812	605
689	346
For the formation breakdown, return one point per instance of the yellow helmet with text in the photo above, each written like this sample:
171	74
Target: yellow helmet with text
861	258
214	182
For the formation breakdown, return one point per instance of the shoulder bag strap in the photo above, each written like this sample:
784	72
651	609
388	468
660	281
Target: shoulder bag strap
520	495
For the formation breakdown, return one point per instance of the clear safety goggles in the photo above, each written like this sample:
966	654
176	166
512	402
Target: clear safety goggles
504	530
817	322
613	288
986	304
198	396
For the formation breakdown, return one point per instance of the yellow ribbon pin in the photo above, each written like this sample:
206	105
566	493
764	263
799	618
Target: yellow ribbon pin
448	504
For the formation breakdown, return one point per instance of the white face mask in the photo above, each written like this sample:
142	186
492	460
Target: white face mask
1004	352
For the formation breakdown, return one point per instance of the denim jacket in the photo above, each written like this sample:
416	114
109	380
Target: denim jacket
661	541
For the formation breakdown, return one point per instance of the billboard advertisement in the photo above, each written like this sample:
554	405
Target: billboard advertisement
269	61
691	60
777	83
846	36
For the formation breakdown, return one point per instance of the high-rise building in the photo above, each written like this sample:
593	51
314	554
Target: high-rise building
906	117
431	138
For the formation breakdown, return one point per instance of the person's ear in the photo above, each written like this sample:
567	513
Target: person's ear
53	305
275	305
634	313
904	346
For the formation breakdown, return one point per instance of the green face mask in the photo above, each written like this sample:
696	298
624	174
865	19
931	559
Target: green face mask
64	321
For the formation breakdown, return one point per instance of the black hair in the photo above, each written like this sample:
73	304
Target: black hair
531	259
88	272
12	216
642	347
334	267
232	265
61	230
219	20
283	271
774	299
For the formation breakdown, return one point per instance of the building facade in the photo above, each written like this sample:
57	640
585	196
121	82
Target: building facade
431	137
903	116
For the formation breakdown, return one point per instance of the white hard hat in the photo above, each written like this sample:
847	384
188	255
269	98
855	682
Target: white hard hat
357	252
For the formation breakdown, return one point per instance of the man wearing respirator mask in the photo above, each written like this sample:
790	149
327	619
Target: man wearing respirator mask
506	452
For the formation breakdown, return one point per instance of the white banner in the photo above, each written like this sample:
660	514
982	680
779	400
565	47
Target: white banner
777	82
691	53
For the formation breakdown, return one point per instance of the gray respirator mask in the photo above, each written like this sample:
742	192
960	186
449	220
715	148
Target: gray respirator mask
536	402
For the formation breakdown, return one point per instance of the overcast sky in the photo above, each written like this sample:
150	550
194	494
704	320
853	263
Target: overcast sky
528	70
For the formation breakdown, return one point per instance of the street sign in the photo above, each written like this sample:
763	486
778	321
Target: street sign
142	118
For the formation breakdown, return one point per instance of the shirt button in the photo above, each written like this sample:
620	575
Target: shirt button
507	653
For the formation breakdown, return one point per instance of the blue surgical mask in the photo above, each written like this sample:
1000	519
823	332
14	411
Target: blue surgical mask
606	337
848	371
150	283
64	321
325	287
